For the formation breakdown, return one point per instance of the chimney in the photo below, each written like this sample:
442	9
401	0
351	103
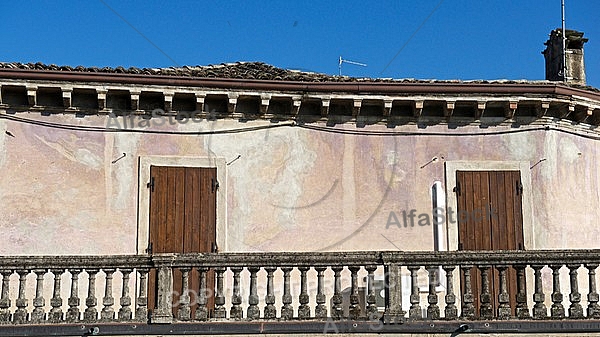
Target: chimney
574	57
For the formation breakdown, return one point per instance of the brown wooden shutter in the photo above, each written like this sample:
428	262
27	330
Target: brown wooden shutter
183	203
497	197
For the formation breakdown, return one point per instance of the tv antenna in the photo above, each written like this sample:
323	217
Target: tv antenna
341	61
564	42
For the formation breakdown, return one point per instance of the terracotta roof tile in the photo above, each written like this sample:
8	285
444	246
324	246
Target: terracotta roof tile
248	71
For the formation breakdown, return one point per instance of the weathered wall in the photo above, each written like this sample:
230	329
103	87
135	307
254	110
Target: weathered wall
292	189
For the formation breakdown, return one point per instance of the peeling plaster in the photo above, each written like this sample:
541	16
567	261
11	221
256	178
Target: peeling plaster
521	146
2	142
568	150
280	159
69	149
123	174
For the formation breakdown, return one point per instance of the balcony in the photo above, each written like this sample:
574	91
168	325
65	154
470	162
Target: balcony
361	292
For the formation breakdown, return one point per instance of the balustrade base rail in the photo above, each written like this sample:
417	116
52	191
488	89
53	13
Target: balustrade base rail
280	291
452	328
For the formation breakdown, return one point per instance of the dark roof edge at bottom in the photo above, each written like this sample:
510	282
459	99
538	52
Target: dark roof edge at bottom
351	87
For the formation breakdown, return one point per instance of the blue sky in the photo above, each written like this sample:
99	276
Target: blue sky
451	39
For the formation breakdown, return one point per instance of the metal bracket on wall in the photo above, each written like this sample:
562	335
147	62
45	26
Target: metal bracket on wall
150	184
215	185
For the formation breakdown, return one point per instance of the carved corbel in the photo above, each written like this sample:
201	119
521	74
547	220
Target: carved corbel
357	104
583	114
418	108
67	92
135	100
480	109
232	103
569	111
101	98
449	108
387	107
325	102
168	101
296	102
264	103
511	109
200	102
542	109
31	95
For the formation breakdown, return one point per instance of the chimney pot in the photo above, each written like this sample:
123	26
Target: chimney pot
553	55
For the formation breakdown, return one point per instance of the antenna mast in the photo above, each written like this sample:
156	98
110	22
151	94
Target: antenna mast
564	42
349	62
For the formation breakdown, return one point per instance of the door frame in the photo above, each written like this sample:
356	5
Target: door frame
143	225
451	201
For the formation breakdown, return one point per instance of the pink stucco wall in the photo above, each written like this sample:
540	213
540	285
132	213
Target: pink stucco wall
291	189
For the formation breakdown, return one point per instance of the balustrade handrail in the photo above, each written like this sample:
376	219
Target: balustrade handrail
31	262
303	259
290	259
499	257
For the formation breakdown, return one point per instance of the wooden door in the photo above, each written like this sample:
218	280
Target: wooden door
182	220
490	217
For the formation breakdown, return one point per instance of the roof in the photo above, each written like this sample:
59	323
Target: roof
252	71
254	89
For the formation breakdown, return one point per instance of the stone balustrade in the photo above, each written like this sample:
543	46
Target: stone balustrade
224	287
50	289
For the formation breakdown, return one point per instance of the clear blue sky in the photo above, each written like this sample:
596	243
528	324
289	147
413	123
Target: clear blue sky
461	39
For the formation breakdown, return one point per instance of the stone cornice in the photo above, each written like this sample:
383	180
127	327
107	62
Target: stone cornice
93	93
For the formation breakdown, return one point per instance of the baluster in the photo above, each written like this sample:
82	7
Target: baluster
557	310
468	309
593	309
91	313
372	313
287	312
303	308
320	309
354	310
337	312
141	313
415	308
504	310
253	310
73	301
108	313
522	310
56	314
202	309
393	295
450	312
125	301
38	314
575	309
539	309
485	308
236	311
433	310
21	315
184	312
5	315
270	310
220	311
163	313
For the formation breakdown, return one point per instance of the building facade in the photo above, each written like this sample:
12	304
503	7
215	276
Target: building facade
246	161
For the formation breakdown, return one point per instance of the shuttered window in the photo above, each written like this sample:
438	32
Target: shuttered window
490	217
